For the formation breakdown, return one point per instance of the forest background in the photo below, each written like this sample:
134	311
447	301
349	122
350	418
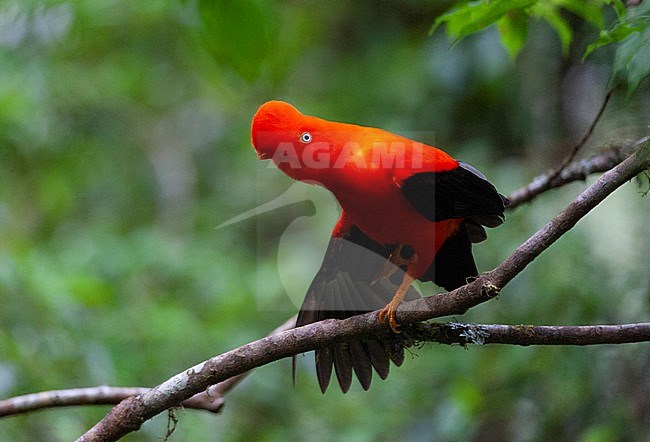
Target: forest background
125	143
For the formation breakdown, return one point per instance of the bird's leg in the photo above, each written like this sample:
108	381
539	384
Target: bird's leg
388	312
401	256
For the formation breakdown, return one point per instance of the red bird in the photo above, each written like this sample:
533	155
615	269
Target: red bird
409	211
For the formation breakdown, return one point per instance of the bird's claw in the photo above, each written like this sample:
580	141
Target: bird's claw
388	313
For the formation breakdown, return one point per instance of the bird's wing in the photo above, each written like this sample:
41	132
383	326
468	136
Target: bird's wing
343	287
459	193
463	192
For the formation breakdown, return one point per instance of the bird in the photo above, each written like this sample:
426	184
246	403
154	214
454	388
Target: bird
408	211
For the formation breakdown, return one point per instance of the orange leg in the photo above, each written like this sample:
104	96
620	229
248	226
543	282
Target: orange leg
394	261
388	312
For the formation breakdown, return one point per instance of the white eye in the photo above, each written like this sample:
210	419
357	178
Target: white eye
305	137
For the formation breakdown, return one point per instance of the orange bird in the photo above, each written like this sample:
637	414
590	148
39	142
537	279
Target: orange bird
408	211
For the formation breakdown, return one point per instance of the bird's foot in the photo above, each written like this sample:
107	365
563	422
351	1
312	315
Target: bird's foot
388	314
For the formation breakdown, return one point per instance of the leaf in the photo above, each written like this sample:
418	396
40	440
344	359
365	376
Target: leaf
562	29
617	33
237	33
632	34
632	60
550	13
513	28
619	7
590	10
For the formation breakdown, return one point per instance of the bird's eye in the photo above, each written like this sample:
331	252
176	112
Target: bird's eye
305	137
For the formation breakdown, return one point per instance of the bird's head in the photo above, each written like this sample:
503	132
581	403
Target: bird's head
276	130
304	147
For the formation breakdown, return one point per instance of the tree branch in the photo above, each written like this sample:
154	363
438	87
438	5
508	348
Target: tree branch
575	149
129	415
575	171
209	400
478	334
551	176
102	395
413	334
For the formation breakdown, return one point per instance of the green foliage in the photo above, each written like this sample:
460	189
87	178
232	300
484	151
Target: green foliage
513	28
632	61
473	17
630	30
620	30
512	16
238	33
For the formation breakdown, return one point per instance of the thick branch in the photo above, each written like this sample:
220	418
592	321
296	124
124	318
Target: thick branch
223	387
575	171
463	334
129	415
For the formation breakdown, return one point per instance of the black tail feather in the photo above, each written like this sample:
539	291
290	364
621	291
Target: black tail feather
341	289
343	366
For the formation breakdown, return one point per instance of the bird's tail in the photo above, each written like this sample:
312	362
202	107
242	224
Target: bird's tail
345	286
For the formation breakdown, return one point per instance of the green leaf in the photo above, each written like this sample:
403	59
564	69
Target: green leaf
632	34
619	7
236	32
590	10
550	13
632	60
617	33
476	16
513	28
562	29
511	17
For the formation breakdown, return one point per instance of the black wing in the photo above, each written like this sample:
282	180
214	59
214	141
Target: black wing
343	287
460	193
463	192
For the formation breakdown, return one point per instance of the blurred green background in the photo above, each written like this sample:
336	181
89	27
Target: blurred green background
124	143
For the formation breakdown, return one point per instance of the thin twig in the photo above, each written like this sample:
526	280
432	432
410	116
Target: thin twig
209	400
129	415
101	395
575	149
575	171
